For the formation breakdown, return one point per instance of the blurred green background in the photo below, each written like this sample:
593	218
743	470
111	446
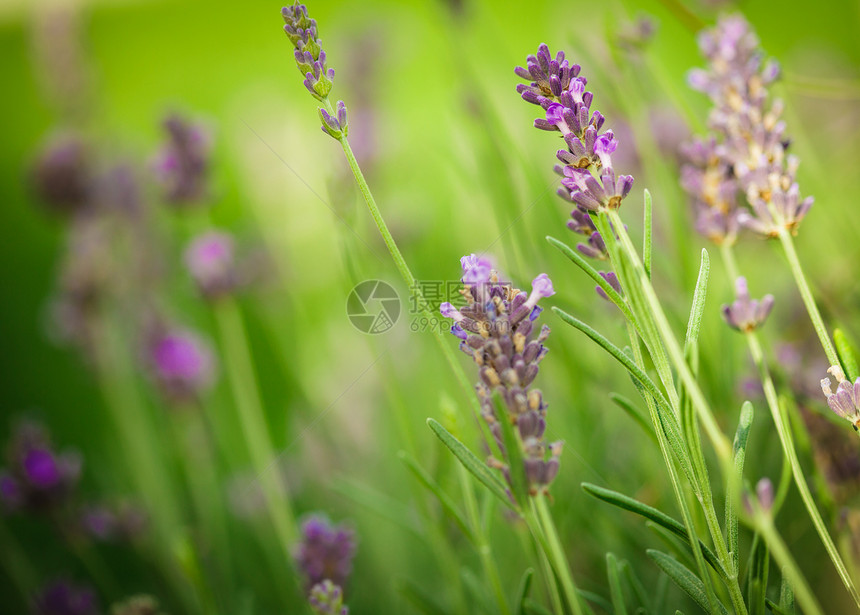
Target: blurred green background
456	167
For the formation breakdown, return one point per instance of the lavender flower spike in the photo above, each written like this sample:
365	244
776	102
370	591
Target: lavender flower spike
746	314
588	178
311	61
63	598
326	598
182	165
497	330
325	552
181	363
745	155
846	401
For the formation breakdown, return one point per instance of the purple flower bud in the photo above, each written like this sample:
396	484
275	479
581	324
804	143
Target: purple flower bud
846	401
211	263
325	552
746	314
326	598
183	365
63	598
62	175
764	492
476	269
41	469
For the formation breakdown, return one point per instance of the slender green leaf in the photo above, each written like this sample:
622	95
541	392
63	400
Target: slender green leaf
786	596
694	324
678	547
757	577
615	591
684	578
617	353
523	590
444	499
634	413
513	447
648	234
627	503
583	264
593	598
534	608
845	350
642	595
775	608
420	598
739	448
475	466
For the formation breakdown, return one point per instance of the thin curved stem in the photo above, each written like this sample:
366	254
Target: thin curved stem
786	440
808	300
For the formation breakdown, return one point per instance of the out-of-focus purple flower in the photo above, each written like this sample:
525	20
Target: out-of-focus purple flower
210	259
125	522
846	401
746	314
37	478
636	35
497	330
61	597
182	364
326	598
137	605
62	174
182	165
325	552
746	153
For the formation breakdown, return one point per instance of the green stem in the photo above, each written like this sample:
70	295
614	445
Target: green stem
556	554
482	544
718	439
675	480
243	381
785	439
764	524
728	254
403	268
808	300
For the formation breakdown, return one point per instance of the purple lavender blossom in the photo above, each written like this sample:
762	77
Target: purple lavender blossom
746	154
846	401
104	523
746	314
582	224
326	598
182	364
182	165
558	89
61	597
62	174
612	278
210	259
325	552
311	61
496	329
37	478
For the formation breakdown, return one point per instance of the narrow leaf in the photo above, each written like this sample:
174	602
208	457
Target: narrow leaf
786	596
593	598
775	608
583	264
694	324
639	591
616	353
635	506
475	466
684	578
534	608
634	413
739	453
513	447
648	234
444	499
845	350
615	591
523	590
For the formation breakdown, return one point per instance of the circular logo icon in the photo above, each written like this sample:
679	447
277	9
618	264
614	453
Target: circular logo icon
373	307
